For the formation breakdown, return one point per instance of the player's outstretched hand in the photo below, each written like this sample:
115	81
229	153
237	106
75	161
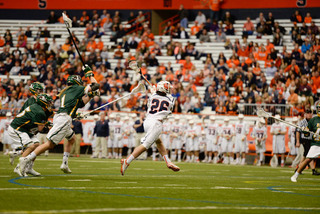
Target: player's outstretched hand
87	71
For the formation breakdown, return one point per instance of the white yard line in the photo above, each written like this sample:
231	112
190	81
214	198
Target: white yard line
158	208
80	180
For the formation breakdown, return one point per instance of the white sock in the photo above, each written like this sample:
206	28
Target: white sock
110	154
188	157
296	174
261	157
179	154
130	159
209	159
173	157
167	159
32	156
65	158
114	154
282	161
153	155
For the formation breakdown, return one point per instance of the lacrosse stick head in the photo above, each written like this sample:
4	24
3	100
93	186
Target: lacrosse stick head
134	66
262	113
139	88
66	20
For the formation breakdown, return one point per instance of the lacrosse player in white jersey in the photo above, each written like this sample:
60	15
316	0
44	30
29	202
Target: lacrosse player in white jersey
278	130
132	138
165	136
259	133
293	150
127	133
211	130
160	105
6	140
242	130
176	135
117	137
111	154
227	133
88	136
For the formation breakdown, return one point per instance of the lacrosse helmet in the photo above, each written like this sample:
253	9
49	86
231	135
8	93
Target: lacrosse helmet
164	86
36	88
261	122
45	100
74	80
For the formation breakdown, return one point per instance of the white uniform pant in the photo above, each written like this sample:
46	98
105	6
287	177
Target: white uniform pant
61	128
240	146
153	129
226	146
20	140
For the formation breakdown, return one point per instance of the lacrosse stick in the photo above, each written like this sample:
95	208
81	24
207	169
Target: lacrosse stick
139	88
134	66
68	23
263	113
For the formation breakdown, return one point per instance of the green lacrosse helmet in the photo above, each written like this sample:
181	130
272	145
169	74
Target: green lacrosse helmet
36	88
45	101
74	80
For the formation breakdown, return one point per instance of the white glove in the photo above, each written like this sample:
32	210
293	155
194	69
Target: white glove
153	89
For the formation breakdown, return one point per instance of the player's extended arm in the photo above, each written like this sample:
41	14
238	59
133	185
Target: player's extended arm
92	89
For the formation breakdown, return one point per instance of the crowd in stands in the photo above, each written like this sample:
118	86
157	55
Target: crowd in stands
295	74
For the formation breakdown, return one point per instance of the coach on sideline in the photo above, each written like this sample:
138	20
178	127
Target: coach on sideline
102	132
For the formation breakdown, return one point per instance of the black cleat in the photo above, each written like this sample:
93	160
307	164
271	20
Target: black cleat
315	172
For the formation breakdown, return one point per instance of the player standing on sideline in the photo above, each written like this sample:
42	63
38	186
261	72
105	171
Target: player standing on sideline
24	128
88	136
259	133
160	105
304	141
314	152
111	121
176	135
71	98
6	141
190	135
293	150
127	133
165	136
117	137
211	130
278	130
240	147
227	132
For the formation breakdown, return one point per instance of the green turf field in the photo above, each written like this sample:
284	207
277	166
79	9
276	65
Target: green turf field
96	186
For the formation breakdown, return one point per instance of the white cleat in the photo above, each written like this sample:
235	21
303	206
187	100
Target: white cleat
31	171
17	171
65	168
294	178
23	165
124	166
173	167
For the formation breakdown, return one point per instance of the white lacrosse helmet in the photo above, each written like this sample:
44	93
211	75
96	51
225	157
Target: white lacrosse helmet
164	86
8	114
212	117
226	119
240	116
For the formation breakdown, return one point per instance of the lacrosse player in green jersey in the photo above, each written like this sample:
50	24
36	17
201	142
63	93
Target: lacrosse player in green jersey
26	125
314	151
35	89
74	96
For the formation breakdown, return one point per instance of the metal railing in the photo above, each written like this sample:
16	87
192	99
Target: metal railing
281	109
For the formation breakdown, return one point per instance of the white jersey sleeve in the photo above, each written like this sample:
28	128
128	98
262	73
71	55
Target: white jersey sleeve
159	107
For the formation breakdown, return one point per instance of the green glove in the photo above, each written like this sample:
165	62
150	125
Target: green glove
87	71
91	94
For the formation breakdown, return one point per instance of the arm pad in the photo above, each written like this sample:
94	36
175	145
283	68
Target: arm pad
94	86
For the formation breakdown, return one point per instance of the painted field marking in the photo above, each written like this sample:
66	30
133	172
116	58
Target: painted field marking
125	182
80	180
159	208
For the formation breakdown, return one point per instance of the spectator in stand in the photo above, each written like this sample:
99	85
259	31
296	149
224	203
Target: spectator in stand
229	29
296	17
270	21
293	98
314	29
204	37
107	26
45	33
248	27
261	28
215	6
201	18
28	32
183	16
228	18
308	18
305	46
53	18
220	36
195	29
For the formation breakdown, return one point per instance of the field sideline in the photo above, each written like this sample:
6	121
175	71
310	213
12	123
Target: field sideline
96	186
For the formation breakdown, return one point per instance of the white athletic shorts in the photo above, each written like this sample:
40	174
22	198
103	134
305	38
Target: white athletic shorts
117	141
176	143
314	152
153	129
240	146
131	142
61	128
261	147
196	144
165	140
110	142
212	146
279	147
21	139
42	137
226	146
6	138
